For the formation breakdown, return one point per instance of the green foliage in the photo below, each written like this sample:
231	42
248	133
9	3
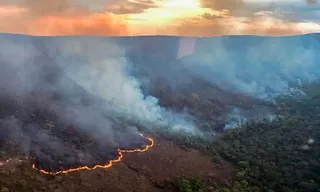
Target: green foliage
191	185
283	155
185	186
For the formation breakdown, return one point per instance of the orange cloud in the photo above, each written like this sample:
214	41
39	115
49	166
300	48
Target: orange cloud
97	24
47	7
11	10
130	7
59	18
11	21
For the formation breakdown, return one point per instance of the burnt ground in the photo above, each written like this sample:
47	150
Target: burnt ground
54	144
137	172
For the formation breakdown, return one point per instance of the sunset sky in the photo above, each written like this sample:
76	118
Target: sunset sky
159	17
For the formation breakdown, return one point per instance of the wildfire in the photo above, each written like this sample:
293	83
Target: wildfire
120	156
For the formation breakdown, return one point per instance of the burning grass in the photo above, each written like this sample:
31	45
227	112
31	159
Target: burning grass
105	165
57	148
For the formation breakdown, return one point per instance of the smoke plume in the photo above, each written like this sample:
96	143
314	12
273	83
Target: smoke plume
259	66
101	68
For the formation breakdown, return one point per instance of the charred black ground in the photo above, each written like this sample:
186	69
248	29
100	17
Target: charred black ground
55	145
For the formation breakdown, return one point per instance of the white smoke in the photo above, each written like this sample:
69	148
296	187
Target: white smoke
99	65
261	66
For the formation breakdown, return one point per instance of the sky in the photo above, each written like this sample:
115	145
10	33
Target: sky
159	17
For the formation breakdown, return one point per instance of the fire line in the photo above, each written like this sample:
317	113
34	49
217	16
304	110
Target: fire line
120	156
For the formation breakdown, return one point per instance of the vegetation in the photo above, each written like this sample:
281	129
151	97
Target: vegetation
192	185
280	155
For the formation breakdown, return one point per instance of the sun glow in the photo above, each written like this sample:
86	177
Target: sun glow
181	3
167	11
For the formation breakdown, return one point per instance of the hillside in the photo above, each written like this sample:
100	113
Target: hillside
279	155
68	102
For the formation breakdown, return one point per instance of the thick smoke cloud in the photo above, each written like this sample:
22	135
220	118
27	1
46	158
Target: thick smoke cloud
28	86
97	65
101	68
259	66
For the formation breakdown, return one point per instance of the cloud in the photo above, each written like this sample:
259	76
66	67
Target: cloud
249	7
264	17
130	7
47	7
58	17
235	7
227	4
251	26
97	24
216	15
38	8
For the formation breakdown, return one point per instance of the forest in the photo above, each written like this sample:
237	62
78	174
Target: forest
269	156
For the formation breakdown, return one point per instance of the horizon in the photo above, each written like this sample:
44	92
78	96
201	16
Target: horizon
160	35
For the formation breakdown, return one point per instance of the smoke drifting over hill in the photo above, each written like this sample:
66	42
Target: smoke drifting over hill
108	87
260	66
100	67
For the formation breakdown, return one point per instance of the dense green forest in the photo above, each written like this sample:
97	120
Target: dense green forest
279	155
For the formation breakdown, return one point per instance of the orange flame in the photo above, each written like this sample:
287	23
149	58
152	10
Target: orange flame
120	152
